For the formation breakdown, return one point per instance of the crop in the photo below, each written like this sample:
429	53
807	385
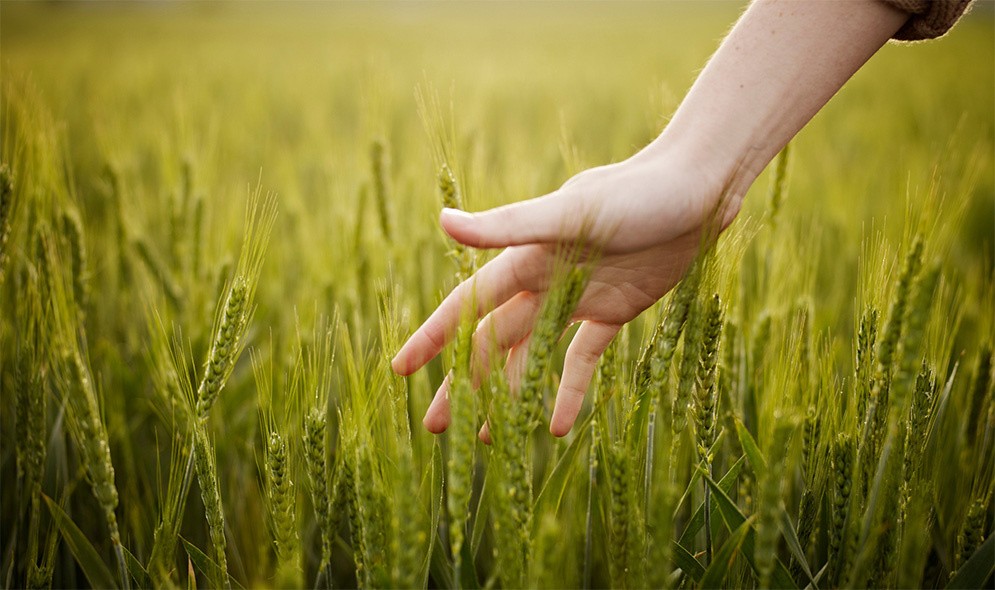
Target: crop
214	237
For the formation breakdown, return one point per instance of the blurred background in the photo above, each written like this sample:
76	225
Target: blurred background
144	108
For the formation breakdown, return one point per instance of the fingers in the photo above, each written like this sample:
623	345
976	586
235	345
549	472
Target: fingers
543	219
509	327
503	328
485	433
436	418
589	343
512	271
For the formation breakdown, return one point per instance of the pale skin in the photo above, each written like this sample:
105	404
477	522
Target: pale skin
778	66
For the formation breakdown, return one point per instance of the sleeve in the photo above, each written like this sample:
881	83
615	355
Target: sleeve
928	19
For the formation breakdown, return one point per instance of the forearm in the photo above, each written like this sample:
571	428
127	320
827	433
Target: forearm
780	64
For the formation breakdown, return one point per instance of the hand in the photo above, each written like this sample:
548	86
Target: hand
646	213
776	69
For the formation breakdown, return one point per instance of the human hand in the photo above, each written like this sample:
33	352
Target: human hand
776	69
645	214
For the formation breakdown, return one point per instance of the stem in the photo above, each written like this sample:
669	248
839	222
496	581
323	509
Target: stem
592	471
122	565
33	524
324	577
708	518
650	446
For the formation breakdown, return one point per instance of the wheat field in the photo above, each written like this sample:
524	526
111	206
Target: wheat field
219	222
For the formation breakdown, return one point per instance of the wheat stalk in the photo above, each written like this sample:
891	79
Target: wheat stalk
210	494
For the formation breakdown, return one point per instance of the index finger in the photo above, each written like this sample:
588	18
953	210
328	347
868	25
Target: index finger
514	270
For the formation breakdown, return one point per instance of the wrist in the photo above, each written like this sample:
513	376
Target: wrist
716	169
780	64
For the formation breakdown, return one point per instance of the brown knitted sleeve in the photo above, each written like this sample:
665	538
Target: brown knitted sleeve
928	18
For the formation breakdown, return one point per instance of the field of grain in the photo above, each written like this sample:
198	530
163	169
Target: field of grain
219	222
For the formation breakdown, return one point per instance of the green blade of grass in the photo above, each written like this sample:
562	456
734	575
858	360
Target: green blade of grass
722	562
750	447
794	546
733	519
86	555
433	485
440	567
551	496
205	564
698	518
687	562
978	568
136	569
695	478
468	573
818	577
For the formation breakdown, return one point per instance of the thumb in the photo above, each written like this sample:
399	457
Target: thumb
543	219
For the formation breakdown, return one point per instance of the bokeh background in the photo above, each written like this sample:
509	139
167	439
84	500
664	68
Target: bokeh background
151	103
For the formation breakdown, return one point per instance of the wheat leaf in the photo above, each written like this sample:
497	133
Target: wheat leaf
86	555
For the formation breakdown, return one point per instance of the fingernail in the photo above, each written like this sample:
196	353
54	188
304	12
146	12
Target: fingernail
395	365
456	214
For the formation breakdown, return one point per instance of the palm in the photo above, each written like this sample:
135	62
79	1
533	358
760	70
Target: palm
624	285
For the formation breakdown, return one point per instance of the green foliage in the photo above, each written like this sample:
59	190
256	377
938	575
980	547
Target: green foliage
811	406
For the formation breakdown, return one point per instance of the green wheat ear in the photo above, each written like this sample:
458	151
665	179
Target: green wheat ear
462	440
554	316
74	379
225	347
704	409
779	184
72	229
452	198
972	532
283	510
316	461
843	466
236	306
380	167
687	372
895	323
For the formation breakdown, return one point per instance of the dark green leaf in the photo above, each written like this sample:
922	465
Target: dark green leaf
695	477
687	562
978	568
434	496
757	461
89	561
724	558
440	566
818	578
698	518
201	561
733	519
136	569
794	546
468	573
551	496
207	566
